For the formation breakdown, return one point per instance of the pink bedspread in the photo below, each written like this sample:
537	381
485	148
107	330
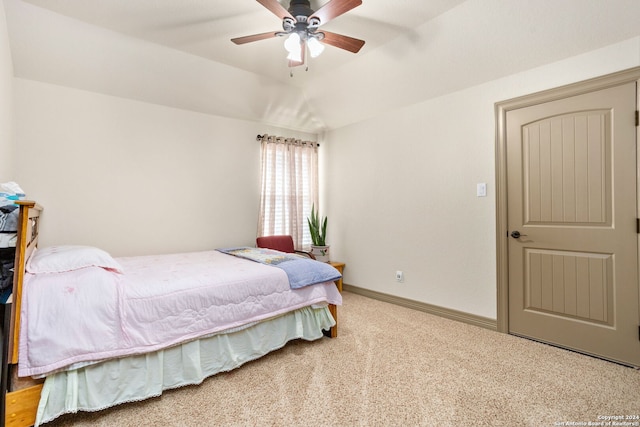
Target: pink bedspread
93	314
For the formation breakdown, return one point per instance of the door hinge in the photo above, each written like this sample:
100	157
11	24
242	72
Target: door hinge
637	225
637	118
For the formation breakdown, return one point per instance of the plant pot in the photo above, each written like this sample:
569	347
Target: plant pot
320	252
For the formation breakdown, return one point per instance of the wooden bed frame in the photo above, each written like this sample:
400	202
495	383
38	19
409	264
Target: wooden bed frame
21	396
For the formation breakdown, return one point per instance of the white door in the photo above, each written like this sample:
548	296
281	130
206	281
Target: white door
571	195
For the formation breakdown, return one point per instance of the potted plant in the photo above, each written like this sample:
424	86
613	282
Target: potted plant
318	230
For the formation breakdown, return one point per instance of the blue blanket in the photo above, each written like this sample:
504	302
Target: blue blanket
302	271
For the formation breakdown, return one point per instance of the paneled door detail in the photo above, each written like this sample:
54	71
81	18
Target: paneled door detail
572	203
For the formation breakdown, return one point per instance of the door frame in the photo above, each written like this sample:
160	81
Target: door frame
501	109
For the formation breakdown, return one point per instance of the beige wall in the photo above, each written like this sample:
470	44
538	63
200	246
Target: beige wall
399	189
6	99
402	188
136	178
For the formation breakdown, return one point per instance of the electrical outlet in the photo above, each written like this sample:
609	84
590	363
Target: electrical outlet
399	276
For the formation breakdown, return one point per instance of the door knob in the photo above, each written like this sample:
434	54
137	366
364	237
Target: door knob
516	234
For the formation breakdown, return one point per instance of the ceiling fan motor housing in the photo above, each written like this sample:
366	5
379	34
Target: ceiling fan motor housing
300	8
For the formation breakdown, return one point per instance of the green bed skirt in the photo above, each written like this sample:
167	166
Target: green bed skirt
135	378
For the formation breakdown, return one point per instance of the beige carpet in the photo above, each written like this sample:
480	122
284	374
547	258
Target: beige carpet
393	366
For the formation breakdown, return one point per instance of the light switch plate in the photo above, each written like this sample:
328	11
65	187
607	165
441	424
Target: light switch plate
481	189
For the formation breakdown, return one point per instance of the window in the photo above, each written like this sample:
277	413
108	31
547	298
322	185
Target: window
289	187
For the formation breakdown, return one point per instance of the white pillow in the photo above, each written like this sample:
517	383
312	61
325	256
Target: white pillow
58	259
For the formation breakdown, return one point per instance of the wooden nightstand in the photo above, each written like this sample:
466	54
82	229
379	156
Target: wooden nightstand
340	267
332	308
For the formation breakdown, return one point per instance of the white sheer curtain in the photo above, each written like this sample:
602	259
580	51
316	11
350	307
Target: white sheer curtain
289	187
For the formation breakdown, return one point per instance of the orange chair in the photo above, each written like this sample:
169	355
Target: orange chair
280	243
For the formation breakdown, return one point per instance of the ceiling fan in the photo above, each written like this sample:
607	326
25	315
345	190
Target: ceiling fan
300	25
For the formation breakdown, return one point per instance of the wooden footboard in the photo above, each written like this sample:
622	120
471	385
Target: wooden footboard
20	396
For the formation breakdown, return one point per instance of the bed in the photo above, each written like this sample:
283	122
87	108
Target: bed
87	331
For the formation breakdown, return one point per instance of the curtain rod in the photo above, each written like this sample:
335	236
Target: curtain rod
282	138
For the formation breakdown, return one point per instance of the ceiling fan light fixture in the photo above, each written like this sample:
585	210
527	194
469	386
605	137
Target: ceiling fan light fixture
292	43
315	47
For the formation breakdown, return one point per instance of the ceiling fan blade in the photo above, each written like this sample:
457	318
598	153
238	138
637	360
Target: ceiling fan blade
334	9
303	51
254	37
343	42
276	8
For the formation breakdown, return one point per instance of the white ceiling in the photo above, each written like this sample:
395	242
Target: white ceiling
415	50
205	27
